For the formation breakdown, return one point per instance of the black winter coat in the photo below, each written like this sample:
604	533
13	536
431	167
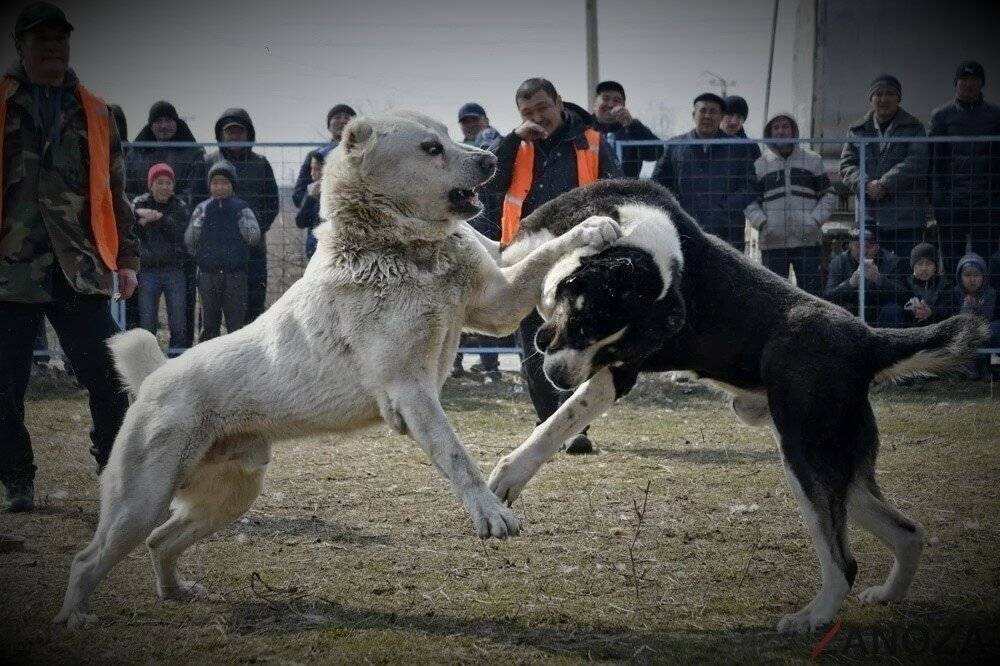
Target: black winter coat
839	289
966	175
161	243
936	293
712	182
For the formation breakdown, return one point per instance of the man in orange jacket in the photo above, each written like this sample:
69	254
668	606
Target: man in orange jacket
66	232
553	150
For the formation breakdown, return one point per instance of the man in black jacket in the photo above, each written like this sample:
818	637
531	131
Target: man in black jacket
613	120
712	182
556	132
882	278
255	184
966	176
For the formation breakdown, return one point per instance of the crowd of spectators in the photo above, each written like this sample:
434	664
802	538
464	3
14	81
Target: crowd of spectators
914	192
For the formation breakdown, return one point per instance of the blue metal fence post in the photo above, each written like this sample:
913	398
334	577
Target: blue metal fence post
860	215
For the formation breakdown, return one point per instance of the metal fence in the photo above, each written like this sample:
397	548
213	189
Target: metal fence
791	209
891	200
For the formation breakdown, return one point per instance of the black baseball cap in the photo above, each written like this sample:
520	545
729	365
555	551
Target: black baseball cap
471	109
40	13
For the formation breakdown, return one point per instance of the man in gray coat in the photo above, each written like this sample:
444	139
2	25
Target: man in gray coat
896	173
966	176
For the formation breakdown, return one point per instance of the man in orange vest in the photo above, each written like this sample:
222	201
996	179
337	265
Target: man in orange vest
66	231
552	151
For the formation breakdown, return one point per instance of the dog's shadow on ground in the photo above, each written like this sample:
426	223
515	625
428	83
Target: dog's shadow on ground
708	456
265	526
584	642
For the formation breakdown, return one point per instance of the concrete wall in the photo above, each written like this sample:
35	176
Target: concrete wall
921	42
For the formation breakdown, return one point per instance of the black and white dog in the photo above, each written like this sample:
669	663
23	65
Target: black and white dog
668	296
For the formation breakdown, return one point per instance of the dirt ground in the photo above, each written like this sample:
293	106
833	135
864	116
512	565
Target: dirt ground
358	552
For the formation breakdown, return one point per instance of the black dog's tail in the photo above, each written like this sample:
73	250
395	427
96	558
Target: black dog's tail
927	350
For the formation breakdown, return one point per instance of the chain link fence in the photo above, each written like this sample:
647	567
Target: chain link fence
923	212
918	210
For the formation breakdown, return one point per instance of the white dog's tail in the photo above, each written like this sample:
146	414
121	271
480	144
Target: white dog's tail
137	354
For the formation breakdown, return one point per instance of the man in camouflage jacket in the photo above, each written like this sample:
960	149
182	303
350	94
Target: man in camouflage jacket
58	259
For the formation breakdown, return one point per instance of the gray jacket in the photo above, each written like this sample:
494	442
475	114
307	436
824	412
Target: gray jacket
901	167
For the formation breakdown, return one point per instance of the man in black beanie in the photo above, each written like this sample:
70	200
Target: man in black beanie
966	176
336	120
895	185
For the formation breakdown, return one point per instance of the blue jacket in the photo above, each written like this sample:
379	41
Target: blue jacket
901	167
221	233
305	172
713	183
308	218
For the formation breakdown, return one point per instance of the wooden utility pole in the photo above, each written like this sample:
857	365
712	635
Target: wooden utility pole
593	70
770	62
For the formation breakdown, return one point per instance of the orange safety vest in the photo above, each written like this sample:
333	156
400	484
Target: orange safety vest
103	224
587	171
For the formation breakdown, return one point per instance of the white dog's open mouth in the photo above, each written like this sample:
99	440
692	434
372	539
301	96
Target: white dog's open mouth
465	200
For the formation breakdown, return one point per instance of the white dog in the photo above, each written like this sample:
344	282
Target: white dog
367	335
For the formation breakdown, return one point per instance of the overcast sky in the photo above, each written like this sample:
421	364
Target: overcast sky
287	62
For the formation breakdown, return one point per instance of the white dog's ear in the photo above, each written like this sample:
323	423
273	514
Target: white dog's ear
357	136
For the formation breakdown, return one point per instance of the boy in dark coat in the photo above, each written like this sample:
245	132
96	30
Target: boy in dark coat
926	294
222	231
161	219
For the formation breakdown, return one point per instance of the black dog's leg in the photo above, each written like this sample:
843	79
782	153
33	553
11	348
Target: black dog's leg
904	537
819	466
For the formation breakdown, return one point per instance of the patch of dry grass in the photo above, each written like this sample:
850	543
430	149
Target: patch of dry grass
357	551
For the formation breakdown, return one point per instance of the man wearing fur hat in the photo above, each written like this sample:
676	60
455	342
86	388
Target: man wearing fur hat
966	176
66	233
794	200
895	188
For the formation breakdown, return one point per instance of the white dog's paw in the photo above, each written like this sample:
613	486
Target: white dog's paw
188	590
597	231
491	518
803	622
74	619
879	594
508	479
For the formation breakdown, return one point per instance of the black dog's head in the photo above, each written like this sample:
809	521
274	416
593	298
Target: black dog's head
616	309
